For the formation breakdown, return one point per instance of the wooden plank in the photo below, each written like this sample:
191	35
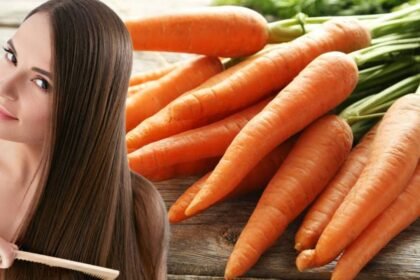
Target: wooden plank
201	245
195	277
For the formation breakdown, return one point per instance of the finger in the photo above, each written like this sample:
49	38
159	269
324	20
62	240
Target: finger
3	262
7	260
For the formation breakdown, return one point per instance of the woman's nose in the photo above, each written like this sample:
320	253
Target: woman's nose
8	86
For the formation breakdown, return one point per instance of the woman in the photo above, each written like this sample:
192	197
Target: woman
65	186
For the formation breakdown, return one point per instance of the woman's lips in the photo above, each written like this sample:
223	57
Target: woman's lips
6	115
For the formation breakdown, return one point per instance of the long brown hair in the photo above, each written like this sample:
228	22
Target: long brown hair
89	206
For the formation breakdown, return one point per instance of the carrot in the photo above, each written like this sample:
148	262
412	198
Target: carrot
392	160
398	216
255	180
207	141
320	213
323	84
312	162
142	77
160	92
249	81
216	31
137	88
184	169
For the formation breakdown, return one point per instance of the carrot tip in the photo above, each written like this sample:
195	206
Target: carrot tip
305	260
298	247
173	217
229	274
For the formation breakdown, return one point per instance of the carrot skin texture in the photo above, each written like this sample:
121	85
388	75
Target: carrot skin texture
248	81
138	88
207	141
185	169
391	163
142	77
312	162
321	212
272	125
257	179
398	216
160	92
213	31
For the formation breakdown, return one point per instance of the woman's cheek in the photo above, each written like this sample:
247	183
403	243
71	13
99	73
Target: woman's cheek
37	119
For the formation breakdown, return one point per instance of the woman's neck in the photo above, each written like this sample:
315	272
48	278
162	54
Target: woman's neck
18	162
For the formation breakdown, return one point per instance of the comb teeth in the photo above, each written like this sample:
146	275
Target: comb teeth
98	276
92	270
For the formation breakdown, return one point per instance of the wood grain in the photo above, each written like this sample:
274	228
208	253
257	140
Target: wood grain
201	245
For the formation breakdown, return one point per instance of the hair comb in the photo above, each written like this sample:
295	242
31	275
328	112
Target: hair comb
92	270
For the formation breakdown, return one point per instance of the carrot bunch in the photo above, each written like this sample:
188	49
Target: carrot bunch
283	121
391	157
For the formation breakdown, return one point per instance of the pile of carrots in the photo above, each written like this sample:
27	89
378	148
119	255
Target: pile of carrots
270	121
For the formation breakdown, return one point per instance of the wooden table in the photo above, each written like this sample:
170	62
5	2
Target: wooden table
201	245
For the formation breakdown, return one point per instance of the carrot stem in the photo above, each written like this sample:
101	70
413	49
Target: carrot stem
360	128
376	103
385	51
399	14
391	26
289	29
373	75
379	24
365	117
394	37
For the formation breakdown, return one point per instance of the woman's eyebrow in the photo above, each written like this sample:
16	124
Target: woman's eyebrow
36	69
41	71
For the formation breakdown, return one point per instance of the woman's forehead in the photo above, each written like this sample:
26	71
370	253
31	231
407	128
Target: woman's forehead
33	41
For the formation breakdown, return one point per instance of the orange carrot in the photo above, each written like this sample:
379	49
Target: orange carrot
185	169
160	92
323	84
142	77
249	81
137	88
255	180
312	162
228	31
210	140
402	212
392	160
320	213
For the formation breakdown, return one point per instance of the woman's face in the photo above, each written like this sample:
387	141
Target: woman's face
26	82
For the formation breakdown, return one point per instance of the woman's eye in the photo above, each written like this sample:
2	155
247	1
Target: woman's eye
43	84
10	56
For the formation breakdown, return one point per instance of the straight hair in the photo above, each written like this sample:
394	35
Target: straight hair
89	206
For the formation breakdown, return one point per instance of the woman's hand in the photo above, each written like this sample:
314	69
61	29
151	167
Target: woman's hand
7	253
